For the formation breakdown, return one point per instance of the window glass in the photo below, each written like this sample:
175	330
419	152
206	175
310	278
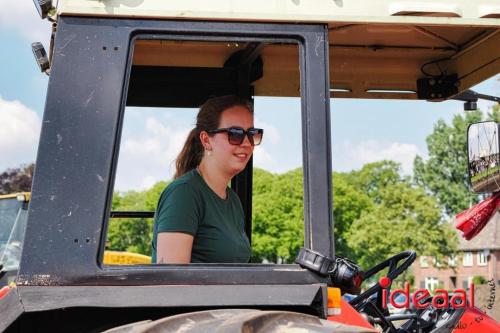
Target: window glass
431	283
467	259
11	247
423	262
465	284
482	258
8	211
436	262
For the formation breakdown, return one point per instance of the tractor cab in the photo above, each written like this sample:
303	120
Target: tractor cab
112	59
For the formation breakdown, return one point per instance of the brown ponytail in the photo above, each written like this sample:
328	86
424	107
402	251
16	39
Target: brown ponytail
208	118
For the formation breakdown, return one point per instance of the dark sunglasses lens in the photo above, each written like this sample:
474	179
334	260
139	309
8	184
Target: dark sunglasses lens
256	136
235	136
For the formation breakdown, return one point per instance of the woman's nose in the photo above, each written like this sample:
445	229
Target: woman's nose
246	141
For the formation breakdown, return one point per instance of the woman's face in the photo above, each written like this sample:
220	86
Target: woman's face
232	159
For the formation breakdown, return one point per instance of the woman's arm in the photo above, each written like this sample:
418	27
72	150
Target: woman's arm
174	248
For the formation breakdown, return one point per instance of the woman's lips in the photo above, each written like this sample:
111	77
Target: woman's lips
242	156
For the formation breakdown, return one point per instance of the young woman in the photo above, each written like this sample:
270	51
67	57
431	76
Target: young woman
198	217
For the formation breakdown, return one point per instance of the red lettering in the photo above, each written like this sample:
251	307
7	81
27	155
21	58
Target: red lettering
440	299
471	290
405	292
419	295
459	299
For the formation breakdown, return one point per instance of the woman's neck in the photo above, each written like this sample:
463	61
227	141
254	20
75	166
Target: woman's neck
214	178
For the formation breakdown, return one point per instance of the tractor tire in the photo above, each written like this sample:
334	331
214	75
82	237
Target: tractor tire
239	321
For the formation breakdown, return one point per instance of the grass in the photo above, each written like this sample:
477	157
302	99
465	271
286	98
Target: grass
486	173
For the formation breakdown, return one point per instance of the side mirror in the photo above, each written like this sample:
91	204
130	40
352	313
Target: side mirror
484	158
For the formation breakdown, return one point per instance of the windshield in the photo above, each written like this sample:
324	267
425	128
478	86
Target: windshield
13	217
8	213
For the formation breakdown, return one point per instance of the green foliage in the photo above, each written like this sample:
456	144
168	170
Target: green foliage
494	113
444	174
377	213
403	216
17	179
478	280
133	234
349	202
373	177
278	216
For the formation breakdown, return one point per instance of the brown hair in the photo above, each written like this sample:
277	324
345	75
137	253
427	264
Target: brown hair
208	118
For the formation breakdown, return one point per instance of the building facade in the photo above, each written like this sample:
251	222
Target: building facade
478	257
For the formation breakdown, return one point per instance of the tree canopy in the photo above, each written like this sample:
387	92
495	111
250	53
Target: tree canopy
17	179
133	234
444	174
377	213
278	216
402	217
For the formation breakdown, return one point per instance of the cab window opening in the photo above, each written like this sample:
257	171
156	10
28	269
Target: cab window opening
161	112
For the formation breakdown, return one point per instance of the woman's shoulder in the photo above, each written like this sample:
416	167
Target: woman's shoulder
187	178
185	183
181	190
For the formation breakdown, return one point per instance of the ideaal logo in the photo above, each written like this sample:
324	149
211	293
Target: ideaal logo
421	300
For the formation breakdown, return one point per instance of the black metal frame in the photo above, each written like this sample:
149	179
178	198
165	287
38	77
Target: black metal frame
78	150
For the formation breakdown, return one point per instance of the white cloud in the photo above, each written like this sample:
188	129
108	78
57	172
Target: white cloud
271	133
150	157
19	134
262	159
272	155
23	17
354	156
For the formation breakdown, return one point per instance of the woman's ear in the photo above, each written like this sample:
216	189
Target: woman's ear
205	140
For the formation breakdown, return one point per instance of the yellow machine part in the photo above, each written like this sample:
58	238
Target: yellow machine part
125	258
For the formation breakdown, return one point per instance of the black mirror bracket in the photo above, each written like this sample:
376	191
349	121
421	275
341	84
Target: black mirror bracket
343	273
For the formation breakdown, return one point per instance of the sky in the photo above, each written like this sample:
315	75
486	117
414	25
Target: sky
362	130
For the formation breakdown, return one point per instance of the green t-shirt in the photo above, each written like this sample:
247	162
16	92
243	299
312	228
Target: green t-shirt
190	206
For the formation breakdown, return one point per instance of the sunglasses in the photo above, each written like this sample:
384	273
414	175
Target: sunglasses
236	135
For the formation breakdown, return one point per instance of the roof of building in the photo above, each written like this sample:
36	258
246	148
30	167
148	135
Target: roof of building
488	238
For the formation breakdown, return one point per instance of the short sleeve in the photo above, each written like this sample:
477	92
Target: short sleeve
178	210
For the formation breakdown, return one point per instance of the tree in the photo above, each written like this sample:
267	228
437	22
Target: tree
377	213
403	216
444	174
278	216
373	177
17	179
133	234
349	202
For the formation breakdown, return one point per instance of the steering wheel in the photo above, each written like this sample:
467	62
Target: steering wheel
364	301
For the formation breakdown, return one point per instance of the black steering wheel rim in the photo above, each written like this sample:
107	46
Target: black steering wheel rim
394	272
360	301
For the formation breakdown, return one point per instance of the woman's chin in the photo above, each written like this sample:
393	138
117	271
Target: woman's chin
236	168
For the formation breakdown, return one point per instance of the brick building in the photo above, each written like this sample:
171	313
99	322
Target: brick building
477	257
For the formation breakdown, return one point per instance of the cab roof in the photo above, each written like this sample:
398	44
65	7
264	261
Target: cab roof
378	48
